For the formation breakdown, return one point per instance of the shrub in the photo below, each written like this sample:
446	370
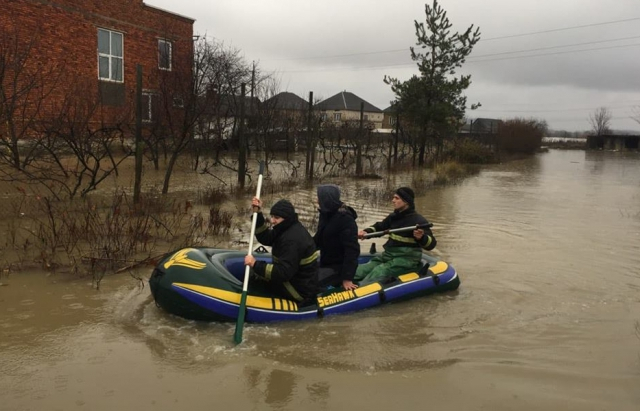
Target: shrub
521	135
469	151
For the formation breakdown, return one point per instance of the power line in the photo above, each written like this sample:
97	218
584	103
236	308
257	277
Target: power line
554	54
555	47
635	101
469	61
489	39
563	120
562	29
550	111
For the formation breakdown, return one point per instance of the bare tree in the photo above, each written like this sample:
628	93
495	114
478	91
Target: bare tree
600	120
200	109
56	136
23	91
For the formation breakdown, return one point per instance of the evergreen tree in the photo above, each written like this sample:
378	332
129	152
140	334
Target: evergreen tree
433	101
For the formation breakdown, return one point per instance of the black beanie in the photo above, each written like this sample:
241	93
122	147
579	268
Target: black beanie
284	209
406	194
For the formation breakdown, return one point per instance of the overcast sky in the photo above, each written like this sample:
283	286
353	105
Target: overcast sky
557	60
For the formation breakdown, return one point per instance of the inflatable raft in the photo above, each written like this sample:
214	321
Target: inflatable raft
206	284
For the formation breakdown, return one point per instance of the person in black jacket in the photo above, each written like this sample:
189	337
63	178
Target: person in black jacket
337	239
293	272
403	250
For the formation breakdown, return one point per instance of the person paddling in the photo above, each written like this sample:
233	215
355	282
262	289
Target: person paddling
403	250
293	273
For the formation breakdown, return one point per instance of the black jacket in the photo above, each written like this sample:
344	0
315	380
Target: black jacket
406	218
337	240
295	259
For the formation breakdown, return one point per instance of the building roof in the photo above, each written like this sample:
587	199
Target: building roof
391	109
482	125
346	101
159	9
228	105
286	101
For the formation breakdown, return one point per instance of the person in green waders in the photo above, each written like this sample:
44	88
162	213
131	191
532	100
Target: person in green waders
403	250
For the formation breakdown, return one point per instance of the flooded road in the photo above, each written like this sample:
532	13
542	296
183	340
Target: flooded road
547	316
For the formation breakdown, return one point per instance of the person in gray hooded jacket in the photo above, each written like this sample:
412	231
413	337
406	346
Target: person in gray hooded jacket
337	239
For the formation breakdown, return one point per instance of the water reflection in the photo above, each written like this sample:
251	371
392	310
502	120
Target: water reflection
547	252
275	387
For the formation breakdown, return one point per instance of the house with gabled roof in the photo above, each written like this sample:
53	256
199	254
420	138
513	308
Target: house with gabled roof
344	107
287	101
221	113
390	117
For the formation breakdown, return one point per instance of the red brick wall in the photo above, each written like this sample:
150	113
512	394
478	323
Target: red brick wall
64	38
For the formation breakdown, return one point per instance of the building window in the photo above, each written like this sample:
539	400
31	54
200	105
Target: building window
392	121
337	116
365	117
178	102
110	55
164	55
147	107
323	117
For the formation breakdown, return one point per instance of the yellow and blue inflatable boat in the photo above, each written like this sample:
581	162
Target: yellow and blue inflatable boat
206	284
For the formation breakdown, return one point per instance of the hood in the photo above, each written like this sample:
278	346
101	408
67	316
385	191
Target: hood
348	210
329	198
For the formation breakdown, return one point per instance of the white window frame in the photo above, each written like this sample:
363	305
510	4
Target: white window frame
337	116
323	117
111	76
166	42
392	121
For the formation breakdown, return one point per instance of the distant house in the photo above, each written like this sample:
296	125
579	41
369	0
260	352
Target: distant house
286	101
618	142
220	116
390	118
481	126
344	107
65	50
286	109
285	119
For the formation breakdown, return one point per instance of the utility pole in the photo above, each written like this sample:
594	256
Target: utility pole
242	145
396	137
308	171
359	141
253	86
138	138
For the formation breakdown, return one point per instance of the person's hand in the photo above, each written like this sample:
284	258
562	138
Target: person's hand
418	234
349	285
249	260
361	234
256	203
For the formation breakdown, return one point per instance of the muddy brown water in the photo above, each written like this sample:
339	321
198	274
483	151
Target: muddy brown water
546	318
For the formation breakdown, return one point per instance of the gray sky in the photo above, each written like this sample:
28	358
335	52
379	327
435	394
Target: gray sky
587	52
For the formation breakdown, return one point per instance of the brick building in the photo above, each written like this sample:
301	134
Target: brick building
80	57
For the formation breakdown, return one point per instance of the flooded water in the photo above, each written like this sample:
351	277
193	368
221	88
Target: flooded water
547	316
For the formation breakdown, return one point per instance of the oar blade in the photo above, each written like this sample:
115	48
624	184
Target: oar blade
237	336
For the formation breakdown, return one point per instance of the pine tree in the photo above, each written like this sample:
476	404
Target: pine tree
433	101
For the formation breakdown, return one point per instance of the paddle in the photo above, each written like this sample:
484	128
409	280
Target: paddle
237	336
397	230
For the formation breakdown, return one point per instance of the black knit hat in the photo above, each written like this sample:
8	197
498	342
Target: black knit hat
406	194
284	209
